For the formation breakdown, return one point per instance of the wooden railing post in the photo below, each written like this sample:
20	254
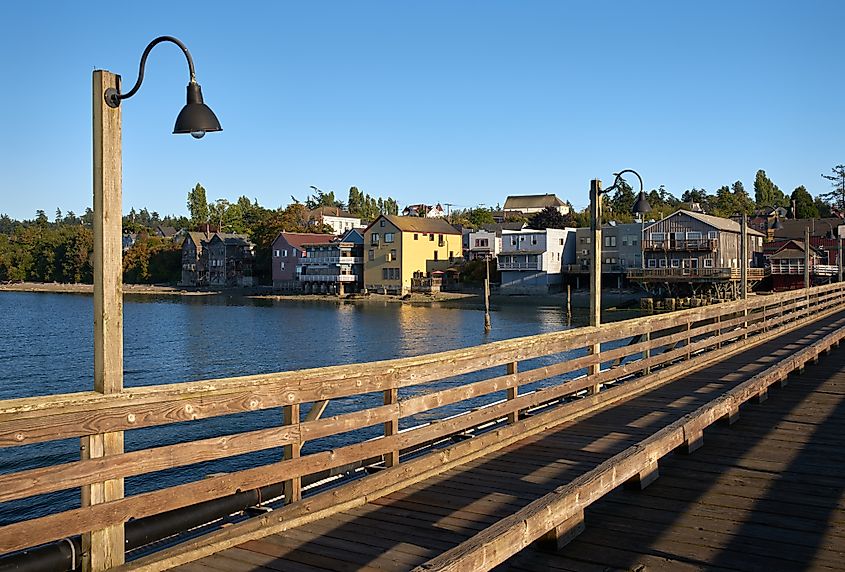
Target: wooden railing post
647	351
293	487
689	340
391	397
513	392
104	548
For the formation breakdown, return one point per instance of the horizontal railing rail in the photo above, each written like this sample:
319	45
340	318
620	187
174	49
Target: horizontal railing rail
448	407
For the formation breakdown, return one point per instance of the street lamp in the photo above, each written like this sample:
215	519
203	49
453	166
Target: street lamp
595	267
104	548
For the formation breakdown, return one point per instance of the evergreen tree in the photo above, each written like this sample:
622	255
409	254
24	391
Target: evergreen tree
766	193
198	206
836	197
804	205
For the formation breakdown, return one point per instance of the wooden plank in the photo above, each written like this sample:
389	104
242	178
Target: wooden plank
291	452
103	547
391	427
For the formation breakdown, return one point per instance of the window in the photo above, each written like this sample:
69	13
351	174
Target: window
533	239
277	253
451	256
652	263
416	236
610	241
658	236
711	234
388	236
513	241
439	240
393	254
395	273
381	223
371	255
385	273
676	263
282	265
624	240
694	235
561	242
435	254
662	263
374	239
708	263
431	237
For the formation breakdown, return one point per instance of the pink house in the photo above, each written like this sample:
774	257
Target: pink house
287	250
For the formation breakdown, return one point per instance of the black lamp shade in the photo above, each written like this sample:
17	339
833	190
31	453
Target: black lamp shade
642	206
196	116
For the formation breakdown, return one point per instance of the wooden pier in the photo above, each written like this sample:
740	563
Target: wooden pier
508	484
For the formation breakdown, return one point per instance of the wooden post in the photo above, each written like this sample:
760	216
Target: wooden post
293	487
104	548
807	260
563	533
568	301
487	325
595	272
513	368
839	259
391	397
647	351
743	274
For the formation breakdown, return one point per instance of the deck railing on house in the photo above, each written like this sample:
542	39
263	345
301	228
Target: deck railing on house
700	273
427	394
707	244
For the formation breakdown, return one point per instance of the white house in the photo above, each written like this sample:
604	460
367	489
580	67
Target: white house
531	260
532	204
340	220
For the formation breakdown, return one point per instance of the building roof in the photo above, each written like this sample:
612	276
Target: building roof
166	230
717	222
331	211
518	202
299	239
418	224
500	226
794	228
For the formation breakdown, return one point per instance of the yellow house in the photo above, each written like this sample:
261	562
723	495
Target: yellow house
398	247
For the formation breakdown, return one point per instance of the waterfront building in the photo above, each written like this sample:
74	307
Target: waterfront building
530	261
527	205
340	220
620	251
691	254
785	262
217	259
486	242
333	267
286	252
397	248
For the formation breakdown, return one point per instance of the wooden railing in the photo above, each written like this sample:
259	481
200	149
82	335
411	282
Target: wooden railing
686	273
539	373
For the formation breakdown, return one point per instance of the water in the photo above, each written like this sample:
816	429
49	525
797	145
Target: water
48	346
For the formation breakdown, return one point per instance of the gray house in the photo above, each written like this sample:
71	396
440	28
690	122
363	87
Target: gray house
620	251
335	267
217	259
690	253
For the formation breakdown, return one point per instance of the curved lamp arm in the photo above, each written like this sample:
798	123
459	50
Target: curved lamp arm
114	97
618	178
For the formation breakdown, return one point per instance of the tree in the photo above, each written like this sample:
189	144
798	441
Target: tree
40	217
549	217
355	201
198	206
766	193
836	197
804	205
733	200
621	203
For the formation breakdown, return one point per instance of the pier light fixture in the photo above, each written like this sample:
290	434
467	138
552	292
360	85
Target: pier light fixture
596	193
105	546
196	117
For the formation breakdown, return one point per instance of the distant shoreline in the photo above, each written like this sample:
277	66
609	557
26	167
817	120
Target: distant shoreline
60	288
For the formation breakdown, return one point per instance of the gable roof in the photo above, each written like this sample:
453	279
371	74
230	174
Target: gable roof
332	211
794	228
517	202
417	224
717	222
298	239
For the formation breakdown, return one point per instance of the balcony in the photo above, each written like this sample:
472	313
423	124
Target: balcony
690	245
333	260
687	274
796	268
327	277
519	265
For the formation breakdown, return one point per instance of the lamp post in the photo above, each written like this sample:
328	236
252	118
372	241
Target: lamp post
596	193
104	548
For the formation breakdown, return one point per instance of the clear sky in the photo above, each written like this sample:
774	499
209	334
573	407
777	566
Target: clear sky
451	101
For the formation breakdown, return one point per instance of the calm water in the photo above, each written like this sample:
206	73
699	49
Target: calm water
47	348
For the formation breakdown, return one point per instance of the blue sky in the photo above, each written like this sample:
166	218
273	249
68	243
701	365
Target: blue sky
451	101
